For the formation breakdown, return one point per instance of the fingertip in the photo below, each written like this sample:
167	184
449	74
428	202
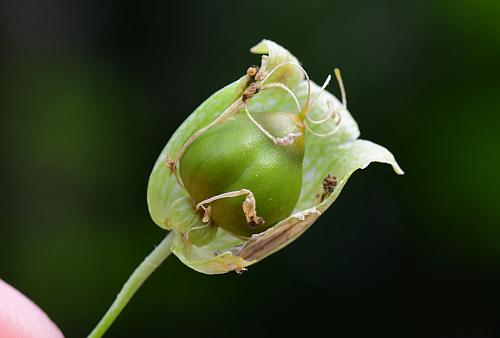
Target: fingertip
21	318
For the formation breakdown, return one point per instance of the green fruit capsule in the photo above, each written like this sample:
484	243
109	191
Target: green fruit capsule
237	156
235	167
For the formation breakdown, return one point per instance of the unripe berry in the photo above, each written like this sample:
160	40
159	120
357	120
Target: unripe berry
236	155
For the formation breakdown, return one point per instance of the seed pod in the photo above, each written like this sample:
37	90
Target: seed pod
236	155
255	165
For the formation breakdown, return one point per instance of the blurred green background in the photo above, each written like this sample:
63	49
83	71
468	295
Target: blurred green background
92	90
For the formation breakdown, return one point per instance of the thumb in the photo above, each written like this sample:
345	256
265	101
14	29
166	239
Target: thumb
21	318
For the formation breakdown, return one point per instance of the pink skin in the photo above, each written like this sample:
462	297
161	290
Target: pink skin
21	318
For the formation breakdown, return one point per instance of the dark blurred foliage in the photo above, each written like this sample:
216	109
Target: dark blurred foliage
92	90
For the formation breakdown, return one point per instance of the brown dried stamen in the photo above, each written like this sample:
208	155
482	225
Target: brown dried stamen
253	89
329	184
249	206
170	164
255	222
252	71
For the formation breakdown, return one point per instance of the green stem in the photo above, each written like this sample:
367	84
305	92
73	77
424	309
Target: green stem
134	282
